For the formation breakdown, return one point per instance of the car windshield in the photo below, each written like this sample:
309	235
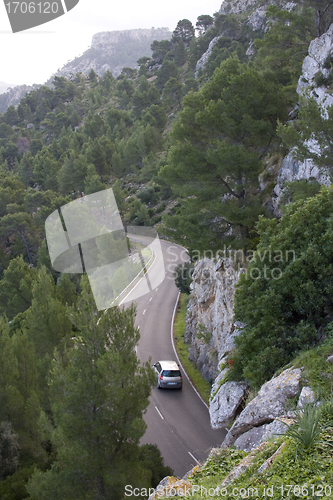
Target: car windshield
171	373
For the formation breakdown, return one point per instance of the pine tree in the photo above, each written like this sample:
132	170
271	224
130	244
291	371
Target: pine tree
219	141
203	23
98	395
180	53
183	31
15	287
92	183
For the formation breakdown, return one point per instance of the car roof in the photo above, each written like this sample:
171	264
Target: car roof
169	365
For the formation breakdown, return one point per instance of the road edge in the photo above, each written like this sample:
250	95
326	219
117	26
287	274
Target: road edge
176	354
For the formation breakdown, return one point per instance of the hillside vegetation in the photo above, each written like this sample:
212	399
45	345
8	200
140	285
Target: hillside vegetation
183	154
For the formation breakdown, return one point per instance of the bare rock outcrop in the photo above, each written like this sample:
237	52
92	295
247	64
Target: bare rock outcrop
237	6
209	321
224	405
257	435
171	486
319	49
267	405
204	58
107	51
293	170
14	94
306	397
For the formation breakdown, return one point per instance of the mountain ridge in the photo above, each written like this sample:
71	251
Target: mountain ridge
109	51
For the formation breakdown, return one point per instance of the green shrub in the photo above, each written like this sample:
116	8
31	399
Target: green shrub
156	219
328	61
183	277
285	297
322	80
148	195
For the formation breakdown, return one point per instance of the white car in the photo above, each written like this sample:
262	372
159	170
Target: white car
169	376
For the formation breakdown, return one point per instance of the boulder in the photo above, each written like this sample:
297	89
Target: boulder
267	405
225	404
307	396
250	439
254	437
171	486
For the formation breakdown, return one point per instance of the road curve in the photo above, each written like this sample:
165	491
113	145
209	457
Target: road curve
177	421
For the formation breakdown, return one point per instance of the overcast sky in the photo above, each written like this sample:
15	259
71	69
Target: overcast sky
32	56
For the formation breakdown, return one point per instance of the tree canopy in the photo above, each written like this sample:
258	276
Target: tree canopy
285	295
183	31
219	142
98	394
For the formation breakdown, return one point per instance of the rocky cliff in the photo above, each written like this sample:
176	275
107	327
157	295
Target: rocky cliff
209	322
13	96
252	13
254	9
110	50
292	170
115	50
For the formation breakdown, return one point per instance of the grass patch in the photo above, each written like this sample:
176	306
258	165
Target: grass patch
309	476
318	372
201	385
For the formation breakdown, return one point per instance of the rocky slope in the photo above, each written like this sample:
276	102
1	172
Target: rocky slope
5	86
209	324
110	50
13	96
115	50
291	170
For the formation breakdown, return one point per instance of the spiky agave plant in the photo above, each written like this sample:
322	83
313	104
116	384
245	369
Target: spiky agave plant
307	428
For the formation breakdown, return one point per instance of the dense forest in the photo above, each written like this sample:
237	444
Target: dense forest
183	152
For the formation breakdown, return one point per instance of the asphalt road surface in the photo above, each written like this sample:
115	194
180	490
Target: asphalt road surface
177	420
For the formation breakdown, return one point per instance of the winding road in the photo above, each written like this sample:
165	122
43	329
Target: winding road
177	421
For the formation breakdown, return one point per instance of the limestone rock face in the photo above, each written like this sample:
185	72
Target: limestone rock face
258	18
225	403
237	6
319	49
204	58
307	396
267	405
257	435
14	94
103	54
209	321
291	169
